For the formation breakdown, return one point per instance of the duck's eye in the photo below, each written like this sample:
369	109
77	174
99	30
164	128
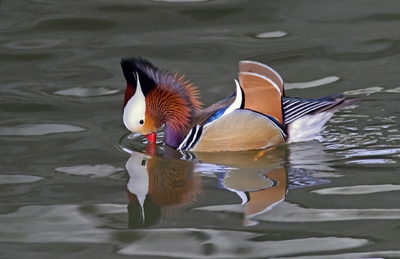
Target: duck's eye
141	122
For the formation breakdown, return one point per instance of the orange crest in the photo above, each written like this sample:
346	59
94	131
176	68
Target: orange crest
173	103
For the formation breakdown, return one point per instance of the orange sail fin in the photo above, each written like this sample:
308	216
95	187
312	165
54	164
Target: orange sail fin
261	95
261	69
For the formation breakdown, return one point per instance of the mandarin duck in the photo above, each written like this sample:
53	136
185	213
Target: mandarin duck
258	115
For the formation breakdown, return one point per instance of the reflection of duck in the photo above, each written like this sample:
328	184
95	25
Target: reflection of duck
259	179
257	116
156	186
160	184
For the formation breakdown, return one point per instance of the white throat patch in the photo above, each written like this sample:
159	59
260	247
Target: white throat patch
135	109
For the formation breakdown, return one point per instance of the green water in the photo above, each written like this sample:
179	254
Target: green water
71	176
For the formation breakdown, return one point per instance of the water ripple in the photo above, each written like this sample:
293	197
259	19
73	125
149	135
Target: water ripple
361	255
358	189
394	90
181	1
222	244
94	171
271	34
34	44
366	152
366	91
371	161
318	82
38	129
84	224
74	24
210	14
15	178
86	92
288	212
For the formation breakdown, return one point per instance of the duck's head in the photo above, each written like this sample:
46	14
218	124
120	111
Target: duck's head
154	97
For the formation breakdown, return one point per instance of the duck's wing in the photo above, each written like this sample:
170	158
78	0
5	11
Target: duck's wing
220	108
262	95
239	130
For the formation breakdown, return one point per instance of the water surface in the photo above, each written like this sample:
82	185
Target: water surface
75	184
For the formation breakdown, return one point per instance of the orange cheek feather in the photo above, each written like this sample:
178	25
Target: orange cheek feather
148	126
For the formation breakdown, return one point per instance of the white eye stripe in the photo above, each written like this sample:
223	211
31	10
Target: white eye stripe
135	76
135	109
138	86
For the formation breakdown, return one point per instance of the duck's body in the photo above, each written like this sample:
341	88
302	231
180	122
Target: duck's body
257	116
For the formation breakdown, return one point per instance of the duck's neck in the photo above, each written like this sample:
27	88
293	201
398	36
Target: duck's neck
172	102
173	109
177	119
173	137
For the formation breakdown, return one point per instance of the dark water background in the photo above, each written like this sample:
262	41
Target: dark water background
63	182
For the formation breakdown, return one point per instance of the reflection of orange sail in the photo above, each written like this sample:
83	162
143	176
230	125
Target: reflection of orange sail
257	177
159	185
263	200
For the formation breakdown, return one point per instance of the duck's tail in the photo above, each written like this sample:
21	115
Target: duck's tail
306	118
